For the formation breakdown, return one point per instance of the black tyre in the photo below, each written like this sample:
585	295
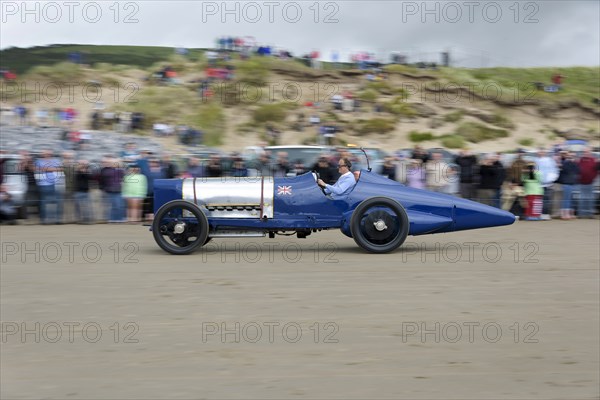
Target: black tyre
180	227
379	225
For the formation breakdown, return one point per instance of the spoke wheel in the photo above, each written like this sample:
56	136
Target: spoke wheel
180	227
379	225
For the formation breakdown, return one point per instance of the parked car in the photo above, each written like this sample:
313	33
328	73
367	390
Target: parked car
14	179
376	158
508	158
203	154
308	155
447	155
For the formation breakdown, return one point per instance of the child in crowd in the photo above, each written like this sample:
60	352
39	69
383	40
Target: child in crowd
532	185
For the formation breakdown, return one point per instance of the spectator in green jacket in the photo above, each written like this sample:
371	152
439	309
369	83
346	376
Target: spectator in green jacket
534	193
134	189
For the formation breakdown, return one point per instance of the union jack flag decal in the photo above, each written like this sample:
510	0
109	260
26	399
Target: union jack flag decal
284	190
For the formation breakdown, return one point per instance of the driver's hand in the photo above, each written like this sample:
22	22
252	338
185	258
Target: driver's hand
321	183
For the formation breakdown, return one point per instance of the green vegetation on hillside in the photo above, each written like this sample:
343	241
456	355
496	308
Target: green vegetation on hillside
415	136
177	105
453	142
375	125
517	85
211	119
476	132
454	116
270	113
382	87
501	120
179	102
61	72
398	106
22	59
526	142
254	71
368	95
164	104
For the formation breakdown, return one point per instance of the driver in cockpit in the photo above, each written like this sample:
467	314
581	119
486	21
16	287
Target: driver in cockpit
344	184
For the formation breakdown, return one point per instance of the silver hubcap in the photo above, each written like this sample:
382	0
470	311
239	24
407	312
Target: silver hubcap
179	228
380	225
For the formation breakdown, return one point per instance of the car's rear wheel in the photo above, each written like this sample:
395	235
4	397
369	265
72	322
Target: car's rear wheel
180	227
379	225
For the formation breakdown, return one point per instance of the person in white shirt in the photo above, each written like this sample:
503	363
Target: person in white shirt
344	184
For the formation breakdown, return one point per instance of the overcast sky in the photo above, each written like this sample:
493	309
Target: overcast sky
477	33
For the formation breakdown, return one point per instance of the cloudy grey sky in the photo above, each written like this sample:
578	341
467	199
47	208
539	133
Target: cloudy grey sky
477	33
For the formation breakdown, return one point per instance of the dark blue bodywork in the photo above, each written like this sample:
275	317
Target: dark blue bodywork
306	207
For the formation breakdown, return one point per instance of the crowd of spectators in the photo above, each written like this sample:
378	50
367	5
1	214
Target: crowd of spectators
535	187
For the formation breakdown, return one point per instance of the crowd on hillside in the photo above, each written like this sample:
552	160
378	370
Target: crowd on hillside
104	118
20	115
65	117
65	189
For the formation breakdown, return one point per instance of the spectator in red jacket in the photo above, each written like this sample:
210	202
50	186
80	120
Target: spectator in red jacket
557	80
588	171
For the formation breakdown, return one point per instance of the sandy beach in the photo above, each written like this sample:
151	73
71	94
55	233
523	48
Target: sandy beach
92	312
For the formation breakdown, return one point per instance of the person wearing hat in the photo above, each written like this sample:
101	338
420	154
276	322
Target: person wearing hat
515	171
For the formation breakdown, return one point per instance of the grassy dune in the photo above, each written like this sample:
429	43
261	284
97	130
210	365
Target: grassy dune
517	84
498	91
21	60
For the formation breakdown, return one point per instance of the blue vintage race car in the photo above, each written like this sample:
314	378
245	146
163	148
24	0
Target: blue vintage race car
378	213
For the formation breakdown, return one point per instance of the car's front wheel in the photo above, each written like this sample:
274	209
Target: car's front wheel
379	225
180	227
